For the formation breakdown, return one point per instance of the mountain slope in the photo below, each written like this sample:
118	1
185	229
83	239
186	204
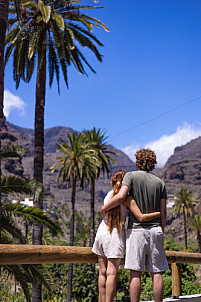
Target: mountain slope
183	168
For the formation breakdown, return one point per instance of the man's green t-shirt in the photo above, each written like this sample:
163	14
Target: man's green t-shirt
147	190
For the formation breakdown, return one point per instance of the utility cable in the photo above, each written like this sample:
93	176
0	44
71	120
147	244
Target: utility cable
156	117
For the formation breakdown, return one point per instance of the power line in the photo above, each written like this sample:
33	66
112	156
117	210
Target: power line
157	117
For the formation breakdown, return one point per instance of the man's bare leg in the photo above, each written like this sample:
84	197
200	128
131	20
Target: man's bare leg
102	277
135	285
112	269
157	280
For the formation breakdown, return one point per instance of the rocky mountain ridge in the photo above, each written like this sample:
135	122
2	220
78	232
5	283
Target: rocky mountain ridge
183	169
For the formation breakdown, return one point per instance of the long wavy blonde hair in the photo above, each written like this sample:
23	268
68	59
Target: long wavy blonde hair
114	215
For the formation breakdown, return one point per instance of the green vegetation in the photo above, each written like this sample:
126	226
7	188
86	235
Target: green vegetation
11	231
184	206
195	223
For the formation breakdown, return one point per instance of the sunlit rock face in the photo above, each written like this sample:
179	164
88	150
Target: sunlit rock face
183	168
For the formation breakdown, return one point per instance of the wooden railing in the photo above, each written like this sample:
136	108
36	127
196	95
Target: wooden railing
40	254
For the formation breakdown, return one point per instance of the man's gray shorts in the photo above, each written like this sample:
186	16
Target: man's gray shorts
145	250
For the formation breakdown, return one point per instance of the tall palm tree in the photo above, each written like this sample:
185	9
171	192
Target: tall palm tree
184	205
48	29
98	140
78	163
195	223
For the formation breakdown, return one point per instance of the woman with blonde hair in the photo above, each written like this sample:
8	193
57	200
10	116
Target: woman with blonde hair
109	243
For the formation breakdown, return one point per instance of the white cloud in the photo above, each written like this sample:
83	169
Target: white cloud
12	102
165	145
131	149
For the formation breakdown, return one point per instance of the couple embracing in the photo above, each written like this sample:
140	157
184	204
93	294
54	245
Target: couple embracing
141	196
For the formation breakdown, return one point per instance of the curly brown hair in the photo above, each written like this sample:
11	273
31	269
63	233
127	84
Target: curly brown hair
114	215
145	159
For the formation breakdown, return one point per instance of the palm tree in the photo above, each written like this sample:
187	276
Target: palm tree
43	29
78	163
48	28
97	139
195	223
184	205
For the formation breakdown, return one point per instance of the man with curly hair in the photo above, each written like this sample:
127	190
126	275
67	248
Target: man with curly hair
145	241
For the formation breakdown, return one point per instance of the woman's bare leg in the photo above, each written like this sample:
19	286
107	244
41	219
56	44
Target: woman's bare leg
102	277
112	269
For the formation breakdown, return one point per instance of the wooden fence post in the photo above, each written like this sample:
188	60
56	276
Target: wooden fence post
176	280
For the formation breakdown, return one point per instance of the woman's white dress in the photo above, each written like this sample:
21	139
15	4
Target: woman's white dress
110	245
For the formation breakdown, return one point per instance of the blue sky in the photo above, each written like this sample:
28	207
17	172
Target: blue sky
151	65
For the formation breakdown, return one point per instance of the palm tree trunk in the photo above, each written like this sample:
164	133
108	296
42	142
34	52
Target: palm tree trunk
26	230
199	241
72	229
3	25
185	231
38	159
92	211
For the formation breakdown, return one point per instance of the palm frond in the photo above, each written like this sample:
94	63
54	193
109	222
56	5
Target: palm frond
83	58
18	9
96	21
59	20
21	278
27	273
45	11
17	184
86	32
33	41
42	45
13	151
32	213
9	227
